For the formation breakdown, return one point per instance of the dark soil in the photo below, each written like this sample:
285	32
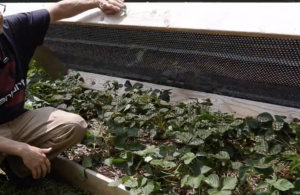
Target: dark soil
48	186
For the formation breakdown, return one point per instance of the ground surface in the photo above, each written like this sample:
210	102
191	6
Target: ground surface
49	186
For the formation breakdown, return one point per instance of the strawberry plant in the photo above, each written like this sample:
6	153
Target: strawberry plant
181	148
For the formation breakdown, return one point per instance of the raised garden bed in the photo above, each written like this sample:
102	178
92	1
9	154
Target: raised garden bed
85	179
157	148
151	147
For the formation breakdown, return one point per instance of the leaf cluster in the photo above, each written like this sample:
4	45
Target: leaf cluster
179	148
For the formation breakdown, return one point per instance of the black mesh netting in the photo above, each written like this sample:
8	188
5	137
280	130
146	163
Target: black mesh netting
261	69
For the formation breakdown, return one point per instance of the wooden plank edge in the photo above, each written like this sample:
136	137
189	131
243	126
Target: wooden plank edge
94	182
189	30
238	107
216	18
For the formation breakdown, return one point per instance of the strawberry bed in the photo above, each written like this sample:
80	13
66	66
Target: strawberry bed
152	147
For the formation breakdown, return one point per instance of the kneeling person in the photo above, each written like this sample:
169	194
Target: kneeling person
30	139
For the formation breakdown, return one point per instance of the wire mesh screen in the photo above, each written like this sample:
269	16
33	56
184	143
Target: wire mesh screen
260	69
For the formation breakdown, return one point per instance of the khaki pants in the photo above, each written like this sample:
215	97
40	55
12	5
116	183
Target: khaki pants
43	128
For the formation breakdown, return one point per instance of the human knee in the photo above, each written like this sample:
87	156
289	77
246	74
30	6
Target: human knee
73	122
77	119
79	126
78	133
63	117
74	119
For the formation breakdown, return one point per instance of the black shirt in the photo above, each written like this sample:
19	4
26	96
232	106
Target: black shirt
22	34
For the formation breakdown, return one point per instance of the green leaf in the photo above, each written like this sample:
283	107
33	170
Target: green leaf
212	180
205	169
147	151
253	124
119	120
277	126
203	134
278	167
108	161
264	170
271	181
222	155
120	142
236	165
131	182
138	85
217	192
275	192
118	162
262	185
87	162
134	146
170	115
127	107
135	191
183	180
194	182
196	142
199	167
206	116
185	137
81	173
188	158
163	163
201	153
133	132
243	173
223	128
115	183
265	117
179	111
165	95
237	122
181	151
127	84
149	188
229	183
130	159
93	133
164	110
108	114
142	181
275	149
262	147
283	184
280	118
296	190
62	106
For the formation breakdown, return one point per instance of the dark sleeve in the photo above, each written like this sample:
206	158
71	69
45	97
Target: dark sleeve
29	28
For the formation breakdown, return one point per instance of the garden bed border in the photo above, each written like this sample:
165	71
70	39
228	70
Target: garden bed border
94	183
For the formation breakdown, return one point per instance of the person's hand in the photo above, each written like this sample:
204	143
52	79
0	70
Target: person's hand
111	6
36	160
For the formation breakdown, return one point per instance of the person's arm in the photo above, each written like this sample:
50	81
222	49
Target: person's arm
69	8
30	28
34	158
10	147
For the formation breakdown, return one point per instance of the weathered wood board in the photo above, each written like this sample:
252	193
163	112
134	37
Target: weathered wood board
249	19
236	106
